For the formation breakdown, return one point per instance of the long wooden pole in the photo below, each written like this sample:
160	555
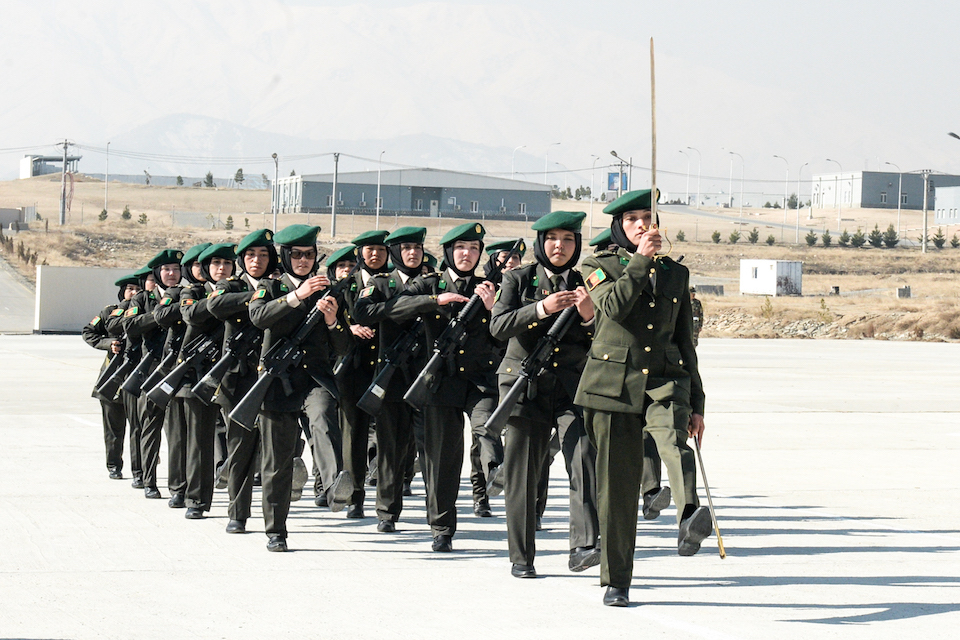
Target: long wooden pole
653	138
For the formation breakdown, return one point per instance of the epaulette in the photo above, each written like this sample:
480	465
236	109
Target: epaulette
381	275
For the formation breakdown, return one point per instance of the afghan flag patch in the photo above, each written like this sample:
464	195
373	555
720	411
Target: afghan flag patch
595	279
166	301
214	294
367	291
259	294
116	313
187	302
95	321
132	311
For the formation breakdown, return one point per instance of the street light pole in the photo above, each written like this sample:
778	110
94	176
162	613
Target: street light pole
799	171
699	162
275	197
839	195
734	153
619	175
333	200
513	160
786	188
106	178
688	175
899	193
377	203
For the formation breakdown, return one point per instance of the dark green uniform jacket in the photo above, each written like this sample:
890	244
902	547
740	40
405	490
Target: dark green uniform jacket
634	337
229	303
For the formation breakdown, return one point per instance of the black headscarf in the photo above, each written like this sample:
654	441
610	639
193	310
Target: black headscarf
448	260
287	263
205	269
368	268
540	253
396	255
620	237
186	273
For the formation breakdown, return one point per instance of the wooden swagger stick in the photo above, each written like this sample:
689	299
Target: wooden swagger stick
653	138
706	487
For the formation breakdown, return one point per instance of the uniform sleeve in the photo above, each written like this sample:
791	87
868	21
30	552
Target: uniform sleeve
509	316
267	306
615	298
683	336
198	313
137	320
372	308
114	321
229	299
417	299
95	334
167	313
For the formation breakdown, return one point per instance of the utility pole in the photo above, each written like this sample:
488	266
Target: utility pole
926	190
63	185
275	196
106	178
333	207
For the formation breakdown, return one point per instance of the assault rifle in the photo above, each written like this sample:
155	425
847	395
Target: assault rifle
244	341
283	357
154	378
531	368
134	382
400	353
108	384
200	349
449	342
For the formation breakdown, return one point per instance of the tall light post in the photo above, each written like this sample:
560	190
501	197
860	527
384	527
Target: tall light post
798	200
546	160
734	153
276	190
593	171
786	188
106	178
688	175
513	160
620	174
377	203
699	162
899	192
839	195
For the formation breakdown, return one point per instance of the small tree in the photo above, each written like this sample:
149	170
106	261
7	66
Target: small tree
753	236
292	172
102	216
771	240
246	222
734	237
890	237
681	236
876	237
208	179
857	240
844	239
776	205
126	212
142	219
826	238
767	205
238	176
229	224
179	181
955	241
939	239
792	201
811	238
715	236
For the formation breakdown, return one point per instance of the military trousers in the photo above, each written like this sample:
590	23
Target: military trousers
324	437
114	425
394	441
669	446
242	447
280	433
152	418
618	438
201	431
355	426
443	452
526	461
175	424
132	411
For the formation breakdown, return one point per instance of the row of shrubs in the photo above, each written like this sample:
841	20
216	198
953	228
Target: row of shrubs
875	238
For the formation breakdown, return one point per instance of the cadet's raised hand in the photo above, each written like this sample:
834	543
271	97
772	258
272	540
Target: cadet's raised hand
650	242
449	297
584	304
487	294
328	307
311	285
559	301
361	331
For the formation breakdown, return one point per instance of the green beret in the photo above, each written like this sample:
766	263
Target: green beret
223	250
259	238
133	278
468	231
630	201
193	253
406	234
601	238
297	235
167	256
569	220
142	272
372	237
430	260
348	252
505	245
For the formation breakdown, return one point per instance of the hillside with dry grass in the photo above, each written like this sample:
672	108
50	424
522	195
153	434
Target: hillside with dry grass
868	278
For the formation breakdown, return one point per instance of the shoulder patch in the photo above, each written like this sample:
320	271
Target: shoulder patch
353	286
442	285
595	278
95	321
186	302
116	313
215	293
132	311
259	294
392	284
284	288
624	261
366	291
496	296
535	281
166	301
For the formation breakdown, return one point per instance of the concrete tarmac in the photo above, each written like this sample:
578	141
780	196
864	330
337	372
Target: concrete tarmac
833	467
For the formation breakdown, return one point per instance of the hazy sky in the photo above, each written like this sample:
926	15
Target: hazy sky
861	82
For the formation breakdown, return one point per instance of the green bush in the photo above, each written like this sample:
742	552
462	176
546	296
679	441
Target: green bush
734	237
126	212
753	236
890	237
142	219
771	239
811	238
955	241
826	238
681	236
715	237
229	224
876	237
857	240
939	239
102	216
844	239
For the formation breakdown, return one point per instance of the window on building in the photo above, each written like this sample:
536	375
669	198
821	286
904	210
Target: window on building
363	199
474	206
330	200
883	197
418	204
756	273
379	203
522	207
903	198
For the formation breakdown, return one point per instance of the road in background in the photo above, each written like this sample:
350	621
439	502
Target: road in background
17	302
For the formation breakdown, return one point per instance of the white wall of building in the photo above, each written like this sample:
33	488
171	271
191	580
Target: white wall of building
69	297
771	277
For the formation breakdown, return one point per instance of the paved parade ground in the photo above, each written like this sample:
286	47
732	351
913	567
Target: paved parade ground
834	467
